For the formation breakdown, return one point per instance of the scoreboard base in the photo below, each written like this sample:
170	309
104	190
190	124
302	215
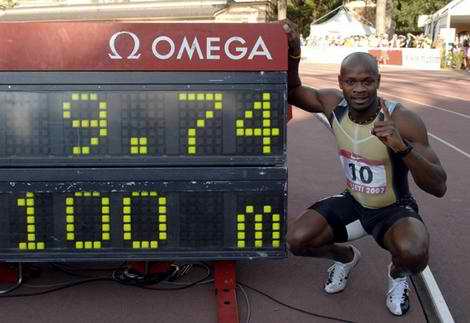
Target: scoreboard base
161	256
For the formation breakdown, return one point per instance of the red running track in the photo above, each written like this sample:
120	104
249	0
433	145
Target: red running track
442	99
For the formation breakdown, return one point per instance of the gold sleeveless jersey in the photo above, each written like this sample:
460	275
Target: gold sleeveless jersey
375	177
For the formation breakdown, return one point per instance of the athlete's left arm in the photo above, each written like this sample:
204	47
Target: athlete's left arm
422	161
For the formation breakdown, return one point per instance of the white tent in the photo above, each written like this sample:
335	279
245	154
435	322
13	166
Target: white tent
343	24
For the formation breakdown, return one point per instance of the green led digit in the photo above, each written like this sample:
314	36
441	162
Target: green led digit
101	124
276	229
241	234
266	131
258	219
70	220
28	204
161	233
216	98
139	145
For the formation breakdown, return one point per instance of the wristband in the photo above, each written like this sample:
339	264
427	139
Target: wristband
295	57
406	151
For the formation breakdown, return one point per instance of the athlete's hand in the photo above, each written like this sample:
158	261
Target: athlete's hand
387	132
293	38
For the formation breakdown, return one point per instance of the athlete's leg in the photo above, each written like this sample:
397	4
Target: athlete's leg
310	235
315	232
408	242
326	222
405	236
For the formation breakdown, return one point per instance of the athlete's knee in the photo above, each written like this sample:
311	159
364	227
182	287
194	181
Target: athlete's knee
301	241
411	257
296	241
308	232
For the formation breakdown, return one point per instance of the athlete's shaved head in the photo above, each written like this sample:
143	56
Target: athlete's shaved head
359	79
365	60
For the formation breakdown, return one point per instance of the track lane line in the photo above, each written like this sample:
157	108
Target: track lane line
393	73
449	144
427	105
405	99
325	122
397	82
438	299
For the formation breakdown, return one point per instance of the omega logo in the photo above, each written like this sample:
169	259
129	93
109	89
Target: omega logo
234	48
112	45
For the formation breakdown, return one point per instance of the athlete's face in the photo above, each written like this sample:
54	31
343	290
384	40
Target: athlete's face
359	85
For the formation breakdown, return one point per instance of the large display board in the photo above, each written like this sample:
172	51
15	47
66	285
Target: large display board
113	150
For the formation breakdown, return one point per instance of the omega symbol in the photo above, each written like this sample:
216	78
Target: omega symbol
112	46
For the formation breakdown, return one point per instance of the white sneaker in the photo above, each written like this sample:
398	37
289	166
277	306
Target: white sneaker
398	301
338	273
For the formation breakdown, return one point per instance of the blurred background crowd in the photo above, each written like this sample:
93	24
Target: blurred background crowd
373	40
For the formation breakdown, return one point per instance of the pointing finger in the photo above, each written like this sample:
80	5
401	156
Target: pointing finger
385	111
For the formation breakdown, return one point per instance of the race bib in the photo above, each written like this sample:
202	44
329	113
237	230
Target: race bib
363	175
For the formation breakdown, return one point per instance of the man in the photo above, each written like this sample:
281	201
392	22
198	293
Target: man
379	142
466	55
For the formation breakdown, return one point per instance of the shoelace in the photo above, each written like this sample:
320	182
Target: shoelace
398	291
336	273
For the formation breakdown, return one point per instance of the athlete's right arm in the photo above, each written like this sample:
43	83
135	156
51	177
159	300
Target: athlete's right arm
309	99
306	98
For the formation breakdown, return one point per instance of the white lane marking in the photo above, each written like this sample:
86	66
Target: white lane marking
437	298
396	80
427	105
449	144
416	78
414	101
321	117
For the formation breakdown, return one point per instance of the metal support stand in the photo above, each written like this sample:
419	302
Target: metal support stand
225	287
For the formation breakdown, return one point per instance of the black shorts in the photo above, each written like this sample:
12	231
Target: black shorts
348	218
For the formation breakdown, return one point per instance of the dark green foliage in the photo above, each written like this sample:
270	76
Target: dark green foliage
303	12
407	11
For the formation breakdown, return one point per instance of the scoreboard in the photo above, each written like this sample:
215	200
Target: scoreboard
142	141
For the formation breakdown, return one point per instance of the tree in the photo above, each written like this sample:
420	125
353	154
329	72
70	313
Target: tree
407	11
384	22
404	12
303	12
281	9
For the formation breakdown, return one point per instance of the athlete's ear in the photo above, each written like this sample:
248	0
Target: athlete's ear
340	82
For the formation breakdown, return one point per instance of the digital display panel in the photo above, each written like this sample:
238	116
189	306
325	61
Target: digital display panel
151	219
138	126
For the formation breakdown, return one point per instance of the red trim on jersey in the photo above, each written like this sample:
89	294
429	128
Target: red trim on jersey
359	158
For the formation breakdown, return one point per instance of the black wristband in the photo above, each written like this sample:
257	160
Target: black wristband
406	151
295	57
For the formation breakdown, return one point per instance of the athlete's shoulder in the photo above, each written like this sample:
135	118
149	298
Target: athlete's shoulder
330	99
408	122
401	113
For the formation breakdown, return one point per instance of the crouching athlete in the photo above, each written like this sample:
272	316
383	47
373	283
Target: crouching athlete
379	143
